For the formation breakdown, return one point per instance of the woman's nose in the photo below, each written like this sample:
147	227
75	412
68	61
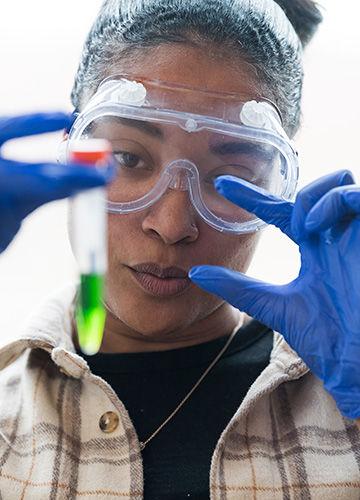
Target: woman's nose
172	218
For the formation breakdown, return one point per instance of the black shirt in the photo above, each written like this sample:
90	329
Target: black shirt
151	385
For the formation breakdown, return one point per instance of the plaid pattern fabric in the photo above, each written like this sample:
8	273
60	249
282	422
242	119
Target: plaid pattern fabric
287	440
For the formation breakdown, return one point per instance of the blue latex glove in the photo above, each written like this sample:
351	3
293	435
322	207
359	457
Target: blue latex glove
319	312
25	187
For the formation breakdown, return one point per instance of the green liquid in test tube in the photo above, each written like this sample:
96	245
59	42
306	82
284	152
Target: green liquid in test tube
90	313
89	240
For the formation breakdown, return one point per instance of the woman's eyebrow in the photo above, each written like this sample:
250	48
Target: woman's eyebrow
238	147
144	126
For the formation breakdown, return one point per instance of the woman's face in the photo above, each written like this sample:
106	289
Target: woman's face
170	233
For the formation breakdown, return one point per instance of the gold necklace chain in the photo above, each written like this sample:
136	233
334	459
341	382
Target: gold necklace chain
213	363
183	401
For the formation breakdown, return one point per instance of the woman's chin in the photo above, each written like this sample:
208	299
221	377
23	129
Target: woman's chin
156	324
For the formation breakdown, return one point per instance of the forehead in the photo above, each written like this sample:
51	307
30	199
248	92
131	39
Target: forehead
195	67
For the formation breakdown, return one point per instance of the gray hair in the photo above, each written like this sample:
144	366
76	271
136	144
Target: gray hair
268	34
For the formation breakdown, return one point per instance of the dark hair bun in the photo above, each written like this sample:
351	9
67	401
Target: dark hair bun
304	15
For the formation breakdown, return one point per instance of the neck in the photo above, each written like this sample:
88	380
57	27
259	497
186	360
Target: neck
120	338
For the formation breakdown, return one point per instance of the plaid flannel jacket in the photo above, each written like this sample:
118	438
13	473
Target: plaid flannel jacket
64	434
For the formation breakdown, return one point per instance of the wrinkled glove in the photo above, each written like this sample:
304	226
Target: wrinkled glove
319	312
25	187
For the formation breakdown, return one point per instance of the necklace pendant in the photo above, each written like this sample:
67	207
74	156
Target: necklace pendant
142	446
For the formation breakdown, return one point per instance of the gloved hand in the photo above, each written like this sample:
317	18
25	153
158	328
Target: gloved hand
319	312
24	187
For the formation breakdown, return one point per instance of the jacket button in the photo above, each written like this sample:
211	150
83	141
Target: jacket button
109	421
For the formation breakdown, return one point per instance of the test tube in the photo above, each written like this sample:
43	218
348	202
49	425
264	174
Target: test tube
88	229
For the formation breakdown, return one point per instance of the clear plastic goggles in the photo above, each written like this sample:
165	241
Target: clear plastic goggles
170	137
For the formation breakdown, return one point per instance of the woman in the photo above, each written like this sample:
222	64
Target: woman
189	397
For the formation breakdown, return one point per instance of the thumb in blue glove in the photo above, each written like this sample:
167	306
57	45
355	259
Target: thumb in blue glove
318	313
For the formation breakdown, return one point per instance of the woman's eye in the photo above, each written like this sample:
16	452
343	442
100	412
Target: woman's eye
128	160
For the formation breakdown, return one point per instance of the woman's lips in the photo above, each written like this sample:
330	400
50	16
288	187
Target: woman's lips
160	287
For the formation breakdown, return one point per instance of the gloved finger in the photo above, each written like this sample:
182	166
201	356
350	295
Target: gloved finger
311	194
269	208
332	208
260	300
14	127
53	178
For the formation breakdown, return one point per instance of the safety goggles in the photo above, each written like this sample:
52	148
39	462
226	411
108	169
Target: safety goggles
170	137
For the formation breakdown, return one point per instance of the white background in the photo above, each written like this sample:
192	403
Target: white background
40	45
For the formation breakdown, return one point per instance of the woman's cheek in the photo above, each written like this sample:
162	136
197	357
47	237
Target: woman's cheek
236	252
